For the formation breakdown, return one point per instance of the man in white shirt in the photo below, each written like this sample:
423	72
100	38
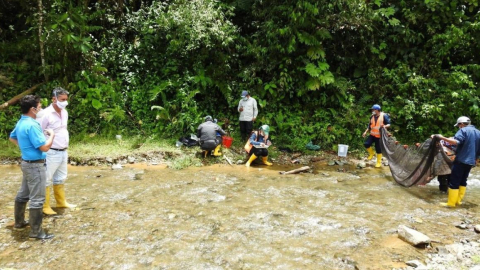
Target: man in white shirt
248	113
55	117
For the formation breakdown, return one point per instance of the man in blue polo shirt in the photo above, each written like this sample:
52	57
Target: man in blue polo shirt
33	145
467	140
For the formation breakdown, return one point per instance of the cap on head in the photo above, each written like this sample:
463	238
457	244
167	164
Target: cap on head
376	107
244	93
463	120
208	118
266	129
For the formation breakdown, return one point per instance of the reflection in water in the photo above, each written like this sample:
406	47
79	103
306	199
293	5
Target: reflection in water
231	217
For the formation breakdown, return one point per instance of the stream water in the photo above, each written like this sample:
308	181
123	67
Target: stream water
233	217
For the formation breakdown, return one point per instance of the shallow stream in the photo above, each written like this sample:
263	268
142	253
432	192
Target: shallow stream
233	217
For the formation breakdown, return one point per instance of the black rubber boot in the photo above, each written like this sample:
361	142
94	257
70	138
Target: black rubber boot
443	180
36	218
20	223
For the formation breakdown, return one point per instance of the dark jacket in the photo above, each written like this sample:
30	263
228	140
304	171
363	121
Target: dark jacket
207	132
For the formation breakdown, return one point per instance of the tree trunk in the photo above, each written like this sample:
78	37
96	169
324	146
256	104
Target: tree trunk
16	98
40	28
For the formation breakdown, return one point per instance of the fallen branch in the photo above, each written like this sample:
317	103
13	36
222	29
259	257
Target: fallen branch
16	98
302	169
228	160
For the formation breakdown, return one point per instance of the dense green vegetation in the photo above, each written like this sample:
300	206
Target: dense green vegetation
315	67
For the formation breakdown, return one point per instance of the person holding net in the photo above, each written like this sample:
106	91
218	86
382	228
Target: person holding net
467	141
377	121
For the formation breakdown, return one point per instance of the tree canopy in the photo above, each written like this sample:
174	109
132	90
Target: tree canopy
315	67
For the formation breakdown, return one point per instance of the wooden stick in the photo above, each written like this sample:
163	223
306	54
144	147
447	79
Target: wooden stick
16	98
228	160
302	169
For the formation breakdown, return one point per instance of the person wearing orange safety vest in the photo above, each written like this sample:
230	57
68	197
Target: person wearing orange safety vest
377	120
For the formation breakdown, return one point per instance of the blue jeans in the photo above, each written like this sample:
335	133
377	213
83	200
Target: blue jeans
460	172
56	167
33	184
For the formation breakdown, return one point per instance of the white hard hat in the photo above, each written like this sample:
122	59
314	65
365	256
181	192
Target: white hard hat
463	119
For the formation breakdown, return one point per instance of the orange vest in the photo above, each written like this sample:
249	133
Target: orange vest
375	127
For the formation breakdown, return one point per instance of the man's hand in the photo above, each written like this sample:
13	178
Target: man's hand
364	134
253	119
49	132
241	109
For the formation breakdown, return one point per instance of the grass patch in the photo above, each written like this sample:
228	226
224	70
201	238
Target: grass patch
9	150
185	162
88	147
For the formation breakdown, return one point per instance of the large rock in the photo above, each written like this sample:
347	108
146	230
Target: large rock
412	236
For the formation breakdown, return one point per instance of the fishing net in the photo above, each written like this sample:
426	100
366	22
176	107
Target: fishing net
417	164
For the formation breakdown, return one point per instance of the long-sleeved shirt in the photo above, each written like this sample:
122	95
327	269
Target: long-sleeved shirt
250	109
207	131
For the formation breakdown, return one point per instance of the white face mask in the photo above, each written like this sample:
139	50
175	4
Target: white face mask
373	113
245	98
62	104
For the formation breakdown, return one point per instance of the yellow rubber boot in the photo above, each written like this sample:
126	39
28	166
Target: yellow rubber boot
265	161
379	161
461	194
47	210
452	198
252	158
371	153
217	152
59	192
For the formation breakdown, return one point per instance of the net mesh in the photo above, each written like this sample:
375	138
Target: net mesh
414	165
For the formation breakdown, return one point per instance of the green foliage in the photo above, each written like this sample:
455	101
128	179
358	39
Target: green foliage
158	67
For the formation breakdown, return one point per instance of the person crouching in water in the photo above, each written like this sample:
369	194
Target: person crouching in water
256	145
209	141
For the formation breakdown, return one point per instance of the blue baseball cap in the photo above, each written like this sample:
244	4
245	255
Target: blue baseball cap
244	93
376	107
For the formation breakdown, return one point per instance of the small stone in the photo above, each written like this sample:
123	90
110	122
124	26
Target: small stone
331	163
239	161
116	166
131	160
109	159
361	165
462	226
414	263
477	228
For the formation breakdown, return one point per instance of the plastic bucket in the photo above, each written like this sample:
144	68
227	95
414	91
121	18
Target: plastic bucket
227	141
342	150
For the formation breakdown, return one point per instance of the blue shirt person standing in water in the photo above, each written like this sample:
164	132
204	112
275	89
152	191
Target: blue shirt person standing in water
33	145
467	140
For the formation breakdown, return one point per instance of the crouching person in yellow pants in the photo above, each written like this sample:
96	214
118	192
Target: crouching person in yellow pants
209	141
257	145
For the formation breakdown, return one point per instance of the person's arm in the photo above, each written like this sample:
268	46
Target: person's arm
14	141
13	137
368	128
240	106
386	121
221	131
255	110
48	144
451	141
253	139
